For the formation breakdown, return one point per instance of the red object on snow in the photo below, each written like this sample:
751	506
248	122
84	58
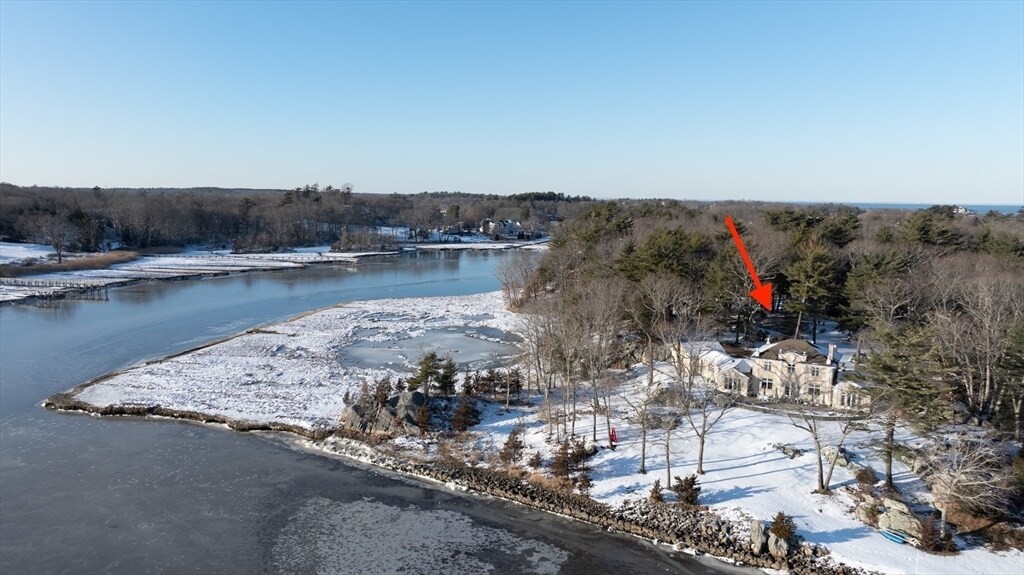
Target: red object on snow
612	436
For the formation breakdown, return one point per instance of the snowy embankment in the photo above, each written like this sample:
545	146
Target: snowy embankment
184	265
294	374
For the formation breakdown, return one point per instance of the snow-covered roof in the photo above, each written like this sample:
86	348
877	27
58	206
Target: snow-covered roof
803	347
713	353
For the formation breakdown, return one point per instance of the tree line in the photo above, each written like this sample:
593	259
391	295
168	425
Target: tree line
96	219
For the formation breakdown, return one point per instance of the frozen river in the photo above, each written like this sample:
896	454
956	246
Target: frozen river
81	494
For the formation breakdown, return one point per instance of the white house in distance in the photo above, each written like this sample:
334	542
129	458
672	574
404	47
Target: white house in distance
791	369
503	228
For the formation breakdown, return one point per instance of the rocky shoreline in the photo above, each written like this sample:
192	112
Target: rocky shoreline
685	528
694	528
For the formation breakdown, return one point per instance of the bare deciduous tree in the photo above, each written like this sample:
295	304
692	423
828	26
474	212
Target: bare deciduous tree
56	231
971	475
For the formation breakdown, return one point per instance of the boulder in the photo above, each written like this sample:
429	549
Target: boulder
396	417
779	548
863	512
758	537
897	517
789	451
896	505
839	456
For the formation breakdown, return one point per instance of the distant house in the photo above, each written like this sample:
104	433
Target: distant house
791	369
502	228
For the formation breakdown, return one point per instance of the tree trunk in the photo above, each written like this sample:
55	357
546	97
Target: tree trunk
799	318
942	521
668	464
547	408
608	419
814	329
643	444
890	431
1017	404
700	454
821	471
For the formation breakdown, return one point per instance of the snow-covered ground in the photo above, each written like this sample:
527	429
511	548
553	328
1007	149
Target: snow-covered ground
297	372
11	253
190	263
746	477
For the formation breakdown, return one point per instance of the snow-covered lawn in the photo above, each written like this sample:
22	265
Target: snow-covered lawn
746	477
297	372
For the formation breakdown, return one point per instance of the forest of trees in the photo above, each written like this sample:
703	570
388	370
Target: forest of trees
93	219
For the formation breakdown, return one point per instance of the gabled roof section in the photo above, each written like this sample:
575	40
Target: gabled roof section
773	351
714	354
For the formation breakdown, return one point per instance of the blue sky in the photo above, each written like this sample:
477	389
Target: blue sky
814	101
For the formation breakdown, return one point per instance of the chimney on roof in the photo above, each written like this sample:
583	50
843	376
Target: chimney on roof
831	353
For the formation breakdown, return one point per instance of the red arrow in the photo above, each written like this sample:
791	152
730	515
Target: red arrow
761	293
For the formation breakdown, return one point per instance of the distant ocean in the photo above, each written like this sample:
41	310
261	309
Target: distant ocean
979	209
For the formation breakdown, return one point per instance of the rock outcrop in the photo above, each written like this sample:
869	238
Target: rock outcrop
838	456
396	417
758	537
898	517
778	547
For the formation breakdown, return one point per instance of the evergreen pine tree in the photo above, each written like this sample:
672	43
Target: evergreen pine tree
429	369
904	379
446	377
812	279
466	414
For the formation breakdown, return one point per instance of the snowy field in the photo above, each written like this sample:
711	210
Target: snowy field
297	372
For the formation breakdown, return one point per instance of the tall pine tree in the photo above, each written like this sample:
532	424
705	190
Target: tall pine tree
904	379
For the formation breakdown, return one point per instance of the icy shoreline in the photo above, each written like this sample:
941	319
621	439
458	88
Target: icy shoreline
292	375
191	265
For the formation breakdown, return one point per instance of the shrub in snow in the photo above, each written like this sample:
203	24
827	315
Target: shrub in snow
866	476
560	462
466	414
535	460
656	496
783	526
512	451
687	491
585	484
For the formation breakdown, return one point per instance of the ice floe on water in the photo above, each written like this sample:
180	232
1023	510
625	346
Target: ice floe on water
321	538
